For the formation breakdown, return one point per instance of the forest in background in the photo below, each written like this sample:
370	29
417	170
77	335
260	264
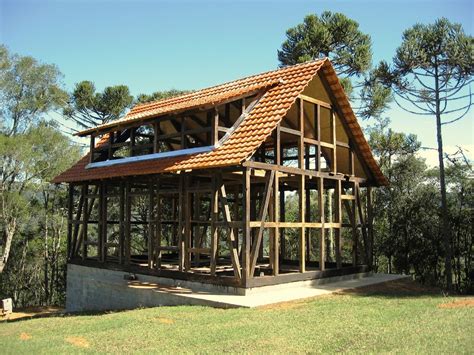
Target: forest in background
423	220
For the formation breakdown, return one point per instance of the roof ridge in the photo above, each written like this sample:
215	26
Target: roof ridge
288	67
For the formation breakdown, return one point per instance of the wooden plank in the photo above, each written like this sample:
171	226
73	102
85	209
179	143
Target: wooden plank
262	216
333	134
121	221
181	224
314	101
151	225
370	225
84	222
322	244
318	137
102	222
291	131
70	213
214	231
128	214
276	231
230	235
362	223
246	222
338	192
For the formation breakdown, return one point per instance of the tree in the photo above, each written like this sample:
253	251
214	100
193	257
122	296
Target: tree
337	37
432	71
28	90
88	108
159	95
29	161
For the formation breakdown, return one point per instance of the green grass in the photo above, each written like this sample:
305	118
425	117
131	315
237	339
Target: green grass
394	317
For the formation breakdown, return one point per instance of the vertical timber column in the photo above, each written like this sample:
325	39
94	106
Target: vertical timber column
354	226
85	218
333	138
70	206
322	244
246	227
214	230
276	200
180	222
151	223
187	223
339	221
370	223
128	218
102	222
302	188
122	222
158	252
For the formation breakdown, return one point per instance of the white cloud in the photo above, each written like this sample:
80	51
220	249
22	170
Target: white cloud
431	156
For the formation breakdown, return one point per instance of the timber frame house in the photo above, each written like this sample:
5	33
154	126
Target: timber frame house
258	181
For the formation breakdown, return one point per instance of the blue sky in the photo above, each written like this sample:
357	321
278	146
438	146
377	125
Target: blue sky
158	45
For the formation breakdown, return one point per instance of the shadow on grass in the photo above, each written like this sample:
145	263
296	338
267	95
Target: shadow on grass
403	288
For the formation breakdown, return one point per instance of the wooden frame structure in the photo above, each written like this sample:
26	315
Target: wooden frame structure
299	207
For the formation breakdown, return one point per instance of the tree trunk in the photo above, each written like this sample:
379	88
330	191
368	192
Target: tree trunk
442	182
10	229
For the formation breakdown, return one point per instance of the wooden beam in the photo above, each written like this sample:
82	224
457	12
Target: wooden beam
314	101
70	213
84	222
338	192
246	223
262	217
370	225
158	252
234	255
322	242
214	231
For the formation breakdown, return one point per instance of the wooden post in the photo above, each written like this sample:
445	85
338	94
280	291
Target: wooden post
214	230
151	224
333	134
338	191
318	137
276	234
302	206
354	228
70	206
246	225
122	222
370	222
187	224
102	240
322	244
128	217
85	221
158	252
180	223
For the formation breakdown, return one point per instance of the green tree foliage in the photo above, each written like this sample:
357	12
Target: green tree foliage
339	38
28	89
407	222
159	95
431	73
88	108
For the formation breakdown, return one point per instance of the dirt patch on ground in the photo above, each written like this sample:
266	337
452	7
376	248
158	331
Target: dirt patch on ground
285	305
402	287
462	303
32	312
165	320
80	342
25	336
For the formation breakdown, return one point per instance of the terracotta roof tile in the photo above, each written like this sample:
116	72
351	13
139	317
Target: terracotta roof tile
283	87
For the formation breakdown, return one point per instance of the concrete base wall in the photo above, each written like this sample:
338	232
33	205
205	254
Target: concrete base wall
95	289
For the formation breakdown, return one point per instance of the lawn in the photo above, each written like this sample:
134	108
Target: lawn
393	317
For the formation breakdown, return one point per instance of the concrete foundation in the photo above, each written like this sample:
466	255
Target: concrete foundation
95	289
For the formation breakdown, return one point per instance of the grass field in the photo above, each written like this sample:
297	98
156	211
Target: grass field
393	317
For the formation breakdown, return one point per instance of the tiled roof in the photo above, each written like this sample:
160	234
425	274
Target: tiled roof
284	85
